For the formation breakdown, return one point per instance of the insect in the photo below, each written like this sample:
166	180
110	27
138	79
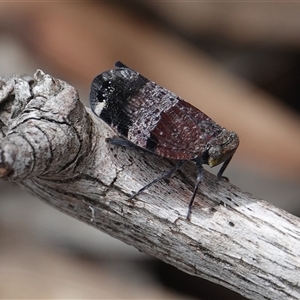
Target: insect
150	117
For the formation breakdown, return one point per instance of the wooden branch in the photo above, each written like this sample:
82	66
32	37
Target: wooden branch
55	147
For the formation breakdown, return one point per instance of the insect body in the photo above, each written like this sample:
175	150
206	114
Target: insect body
154	119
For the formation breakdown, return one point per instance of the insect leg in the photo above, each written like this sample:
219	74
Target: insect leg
224	166
162	176
122	142
198	180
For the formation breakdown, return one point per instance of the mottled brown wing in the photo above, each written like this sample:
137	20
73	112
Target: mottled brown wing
182	132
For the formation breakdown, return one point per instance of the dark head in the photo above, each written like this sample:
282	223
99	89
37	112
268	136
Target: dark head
222	147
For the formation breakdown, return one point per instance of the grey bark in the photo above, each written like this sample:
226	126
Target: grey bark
55	147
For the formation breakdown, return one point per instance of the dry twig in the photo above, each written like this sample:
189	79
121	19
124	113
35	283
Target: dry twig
55	147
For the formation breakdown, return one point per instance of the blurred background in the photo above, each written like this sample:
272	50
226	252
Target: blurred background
237	62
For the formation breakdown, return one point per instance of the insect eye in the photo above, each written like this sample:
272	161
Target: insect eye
226	142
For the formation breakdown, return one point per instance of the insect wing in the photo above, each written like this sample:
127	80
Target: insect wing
182	132
151	116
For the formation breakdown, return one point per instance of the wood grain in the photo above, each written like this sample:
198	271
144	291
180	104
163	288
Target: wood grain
57	149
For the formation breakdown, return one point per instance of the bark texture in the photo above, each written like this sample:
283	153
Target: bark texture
55	147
